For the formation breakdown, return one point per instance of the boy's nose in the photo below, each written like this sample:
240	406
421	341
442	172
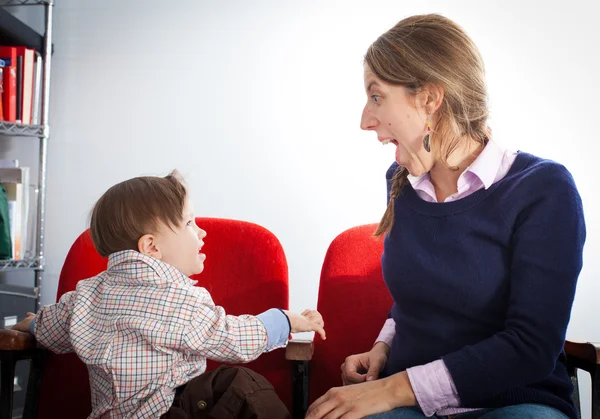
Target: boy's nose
201	233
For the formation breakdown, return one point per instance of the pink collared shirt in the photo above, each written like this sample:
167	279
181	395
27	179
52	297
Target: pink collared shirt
432	383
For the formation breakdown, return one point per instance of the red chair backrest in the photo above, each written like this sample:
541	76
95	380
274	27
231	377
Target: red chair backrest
354	302
245	271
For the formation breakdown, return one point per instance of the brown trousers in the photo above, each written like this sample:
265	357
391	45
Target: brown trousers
227	393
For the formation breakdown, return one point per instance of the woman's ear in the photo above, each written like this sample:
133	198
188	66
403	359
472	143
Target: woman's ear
431	97
148	246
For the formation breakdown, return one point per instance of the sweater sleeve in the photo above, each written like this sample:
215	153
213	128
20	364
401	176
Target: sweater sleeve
548	234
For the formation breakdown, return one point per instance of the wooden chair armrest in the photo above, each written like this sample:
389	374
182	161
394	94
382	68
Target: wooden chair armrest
585	351
12	340
584	356
299	350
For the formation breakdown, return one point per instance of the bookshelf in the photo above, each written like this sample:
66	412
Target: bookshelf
21	279
14	32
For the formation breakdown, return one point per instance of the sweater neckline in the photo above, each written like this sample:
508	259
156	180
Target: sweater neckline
441	209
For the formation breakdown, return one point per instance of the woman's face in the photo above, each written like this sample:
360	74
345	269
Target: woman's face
400	119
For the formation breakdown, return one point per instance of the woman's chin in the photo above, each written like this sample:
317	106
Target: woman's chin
404	159
415	166
417	172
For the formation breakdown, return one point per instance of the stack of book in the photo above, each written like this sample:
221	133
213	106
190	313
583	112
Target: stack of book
20	84
16	183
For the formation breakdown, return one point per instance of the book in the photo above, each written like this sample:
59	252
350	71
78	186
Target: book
9	83
18	83
37	90
9	163
11	174
2	64
19	117
18	196
27	79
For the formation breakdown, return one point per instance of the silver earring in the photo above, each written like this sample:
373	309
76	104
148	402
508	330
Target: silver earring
427	139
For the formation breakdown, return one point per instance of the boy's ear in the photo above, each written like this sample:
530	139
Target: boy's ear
147	246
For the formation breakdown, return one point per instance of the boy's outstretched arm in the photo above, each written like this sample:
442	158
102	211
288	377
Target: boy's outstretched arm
226	338
25	325
50	326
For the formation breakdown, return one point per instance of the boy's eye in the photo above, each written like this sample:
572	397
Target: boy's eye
375	98
189	223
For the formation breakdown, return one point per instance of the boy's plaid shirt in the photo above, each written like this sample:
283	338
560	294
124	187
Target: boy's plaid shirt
143	329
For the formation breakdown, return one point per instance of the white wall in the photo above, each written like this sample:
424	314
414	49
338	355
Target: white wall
258	104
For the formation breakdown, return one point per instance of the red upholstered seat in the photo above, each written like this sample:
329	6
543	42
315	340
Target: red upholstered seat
354	302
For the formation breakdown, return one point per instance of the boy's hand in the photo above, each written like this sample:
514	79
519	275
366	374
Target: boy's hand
308	321
23	325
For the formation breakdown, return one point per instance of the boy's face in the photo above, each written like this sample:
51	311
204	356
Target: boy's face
180	246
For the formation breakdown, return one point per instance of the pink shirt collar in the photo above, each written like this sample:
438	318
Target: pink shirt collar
491	165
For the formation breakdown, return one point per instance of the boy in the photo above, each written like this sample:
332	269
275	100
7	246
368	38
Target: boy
142	328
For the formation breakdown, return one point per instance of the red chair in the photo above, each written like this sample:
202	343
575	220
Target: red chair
354	302
245	271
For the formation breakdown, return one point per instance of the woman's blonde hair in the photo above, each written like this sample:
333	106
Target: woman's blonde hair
433	49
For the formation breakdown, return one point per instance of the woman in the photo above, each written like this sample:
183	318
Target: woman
483	248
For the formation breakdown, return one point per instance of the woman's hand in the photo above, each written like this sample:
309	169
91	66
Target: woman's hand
359	400
366	366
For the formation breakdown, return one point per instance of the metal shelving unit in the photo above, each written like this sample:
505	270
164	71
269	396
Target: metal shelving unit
21	130
22	2
14	32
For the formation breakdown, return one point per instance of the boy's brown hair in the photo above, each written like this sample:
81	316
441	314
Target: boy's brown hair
135	207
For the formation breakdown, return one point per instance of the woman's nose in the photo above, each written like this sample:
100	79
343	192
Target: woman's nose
201	233
367	120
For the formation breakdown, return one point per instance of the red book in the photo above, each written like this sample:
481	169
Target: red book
1	94
9	83
27	77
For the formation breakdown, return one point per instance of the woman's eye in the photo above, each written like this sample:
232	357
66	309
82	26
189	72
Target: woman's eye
189	223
